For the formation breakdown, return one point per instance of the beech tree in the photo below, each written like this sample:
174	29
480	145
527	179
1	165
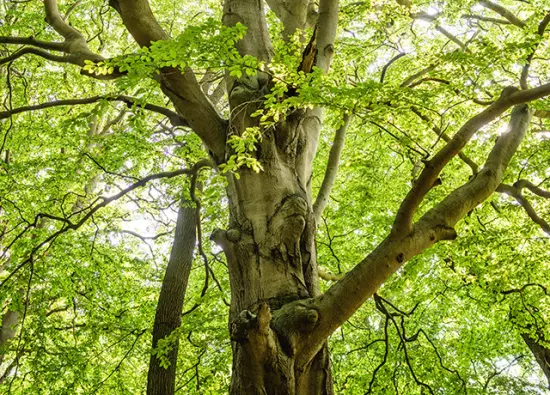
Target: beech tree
361	182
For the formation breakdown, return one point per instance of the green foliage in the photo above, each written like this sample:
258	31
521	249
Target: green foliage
89	310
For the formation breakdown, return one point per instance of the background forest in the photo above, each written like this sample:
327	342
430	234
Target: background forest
95	162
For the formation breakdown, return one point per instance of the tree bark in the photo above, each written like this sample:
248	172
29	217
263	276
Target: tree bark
161	380
541	353
279	322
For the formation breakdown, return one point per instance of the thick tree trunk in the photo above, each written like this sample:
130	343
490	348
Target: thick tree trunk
161	380
271	255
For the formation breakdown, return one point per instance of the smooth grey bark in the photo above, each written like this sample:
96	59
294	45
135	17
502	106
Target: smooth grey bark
332	169
161	380
294	14
270	241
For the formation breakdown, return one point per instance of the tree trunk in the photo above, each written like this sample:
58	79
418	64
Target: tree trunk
160	379
271	255
541	353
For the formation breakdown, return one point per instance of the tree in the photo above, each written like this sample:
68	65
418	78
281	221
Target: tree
435	84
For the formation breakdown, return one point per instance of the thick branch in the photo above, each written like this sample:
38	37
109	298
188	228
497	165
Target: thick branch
426	180
296	14
479	188
55	20
347	295
75	43
327	23
183	89
503	12
514	191
257	41
331	170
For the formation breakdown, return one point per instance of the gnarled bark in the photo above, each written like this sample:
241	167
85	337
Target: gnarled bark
271	257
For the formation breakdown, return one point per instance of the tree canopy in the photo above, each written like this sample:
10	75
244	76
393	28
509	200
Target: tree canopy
423	104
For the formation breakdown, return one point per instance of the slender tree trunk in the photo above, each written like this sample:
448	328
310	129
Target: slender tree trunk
541	353
161	380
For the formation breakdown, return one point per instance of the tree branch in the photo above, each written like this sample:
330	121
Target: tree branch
520	184
514	191
464	199
503	12
432	18
451	37
487	19
297	14
93	208
43	54
516	194
344	297
540	32
175	119
327	23
542	114
447	139
331	170
387	65
183	89
75	43
409	80
509	97
52	46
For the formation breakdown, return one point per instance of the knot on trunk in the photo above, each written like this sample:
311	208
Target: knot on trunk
249	322
286	227
224	238
248	88
292	322
253	331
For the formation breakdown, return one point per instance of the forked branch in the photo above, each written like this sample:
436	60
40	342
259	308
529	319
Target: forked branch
297	14
344	297
424	183
515	192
